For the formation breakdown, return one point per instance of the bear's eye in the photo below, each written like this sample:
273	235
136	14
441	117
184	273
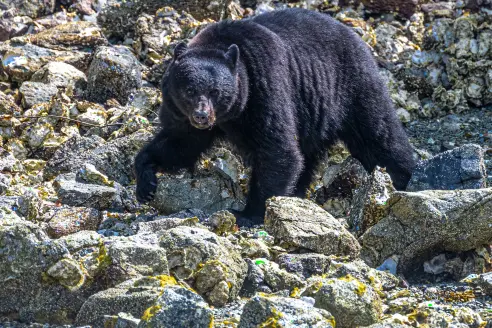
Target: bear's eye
214	93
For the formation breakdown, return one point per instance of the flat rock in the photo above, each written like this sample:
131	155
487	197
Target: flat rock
36	92
459	168
178	307
114	73
274	311
212	263
423	224
300	224
60	75
63	221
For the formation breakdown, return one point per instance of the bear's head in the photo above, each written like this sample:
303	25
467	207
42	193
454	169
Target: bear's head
203	83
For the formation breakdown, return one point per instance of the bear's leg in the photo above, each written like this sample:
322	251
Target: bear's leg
307	176
275	173
379	139
167	153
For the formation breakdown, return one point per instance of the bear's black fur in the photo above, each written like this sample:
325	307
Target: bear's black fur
282	86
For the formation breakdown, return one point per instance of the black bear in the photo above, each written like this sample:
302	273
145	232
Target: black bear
282	86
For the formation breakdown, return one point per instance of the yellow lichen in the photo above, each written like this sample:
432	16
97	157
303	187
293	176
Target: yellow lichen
166	280
272	321
360	288
296	292
150	312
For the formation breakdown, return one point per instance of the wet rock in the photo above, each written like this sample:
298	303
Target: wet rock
114	73
352	302
60	75
36	92
33	9
132	296
300	224
114	159
21	61
264	311
110	16
339	185
63	221
74	193
211	262
421	224
460	168
193	311
305	265
72	35
369	203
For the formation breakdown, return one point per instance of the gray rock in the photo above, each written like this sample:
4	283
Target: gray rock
286	312
126	320
114	158
114	73
305	265
369	202
300	224
459	168
60	74
352	302
178	307
132	296
74	193
36	92
255	281
5	181
485	282
66	220
165	224
212	263
339	185
423	224
21	61
278	279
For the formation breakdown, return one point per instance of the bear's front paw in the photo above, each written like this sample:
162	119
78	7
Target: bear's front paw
146	186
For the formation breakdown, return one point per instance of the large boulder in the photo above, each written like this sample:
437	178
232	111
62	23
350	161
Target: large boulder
422	224
301	224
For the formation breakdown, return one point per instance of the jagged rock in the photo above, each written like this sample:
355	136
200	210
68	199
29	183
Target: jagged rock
352	302
72	35
114	73
369	202
305	265
460	168
422	224
263	311
63	221
211	262
8	105
12	26
300	224
36	92
21	61
114	158
133	296
60	75
278	279
75	193
339	184
178	307
255	280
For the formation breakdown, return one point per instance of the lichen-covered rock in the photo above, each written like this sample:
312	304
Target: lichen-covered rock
351	301
8	105
305	265
300	224
72	35
278	279
178	307
161	224
212	263
429	222
21	61
460	168
274	311
222	222
369	202
60	74
114	73
63	221
74	193
133	296
36	92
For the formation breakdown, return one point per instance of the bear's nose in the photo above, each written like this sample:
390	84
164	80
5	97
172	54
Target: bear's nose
200	117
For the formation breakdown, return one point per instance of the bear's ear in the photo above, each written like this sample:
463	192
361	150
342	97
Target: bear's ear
232	56
180	49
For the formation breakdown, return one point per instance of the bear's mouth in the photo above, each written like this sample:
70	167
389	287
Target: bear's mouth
201	126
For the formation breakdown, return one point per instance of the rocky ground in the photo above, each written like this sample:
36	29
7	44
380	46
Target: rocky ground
78	98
